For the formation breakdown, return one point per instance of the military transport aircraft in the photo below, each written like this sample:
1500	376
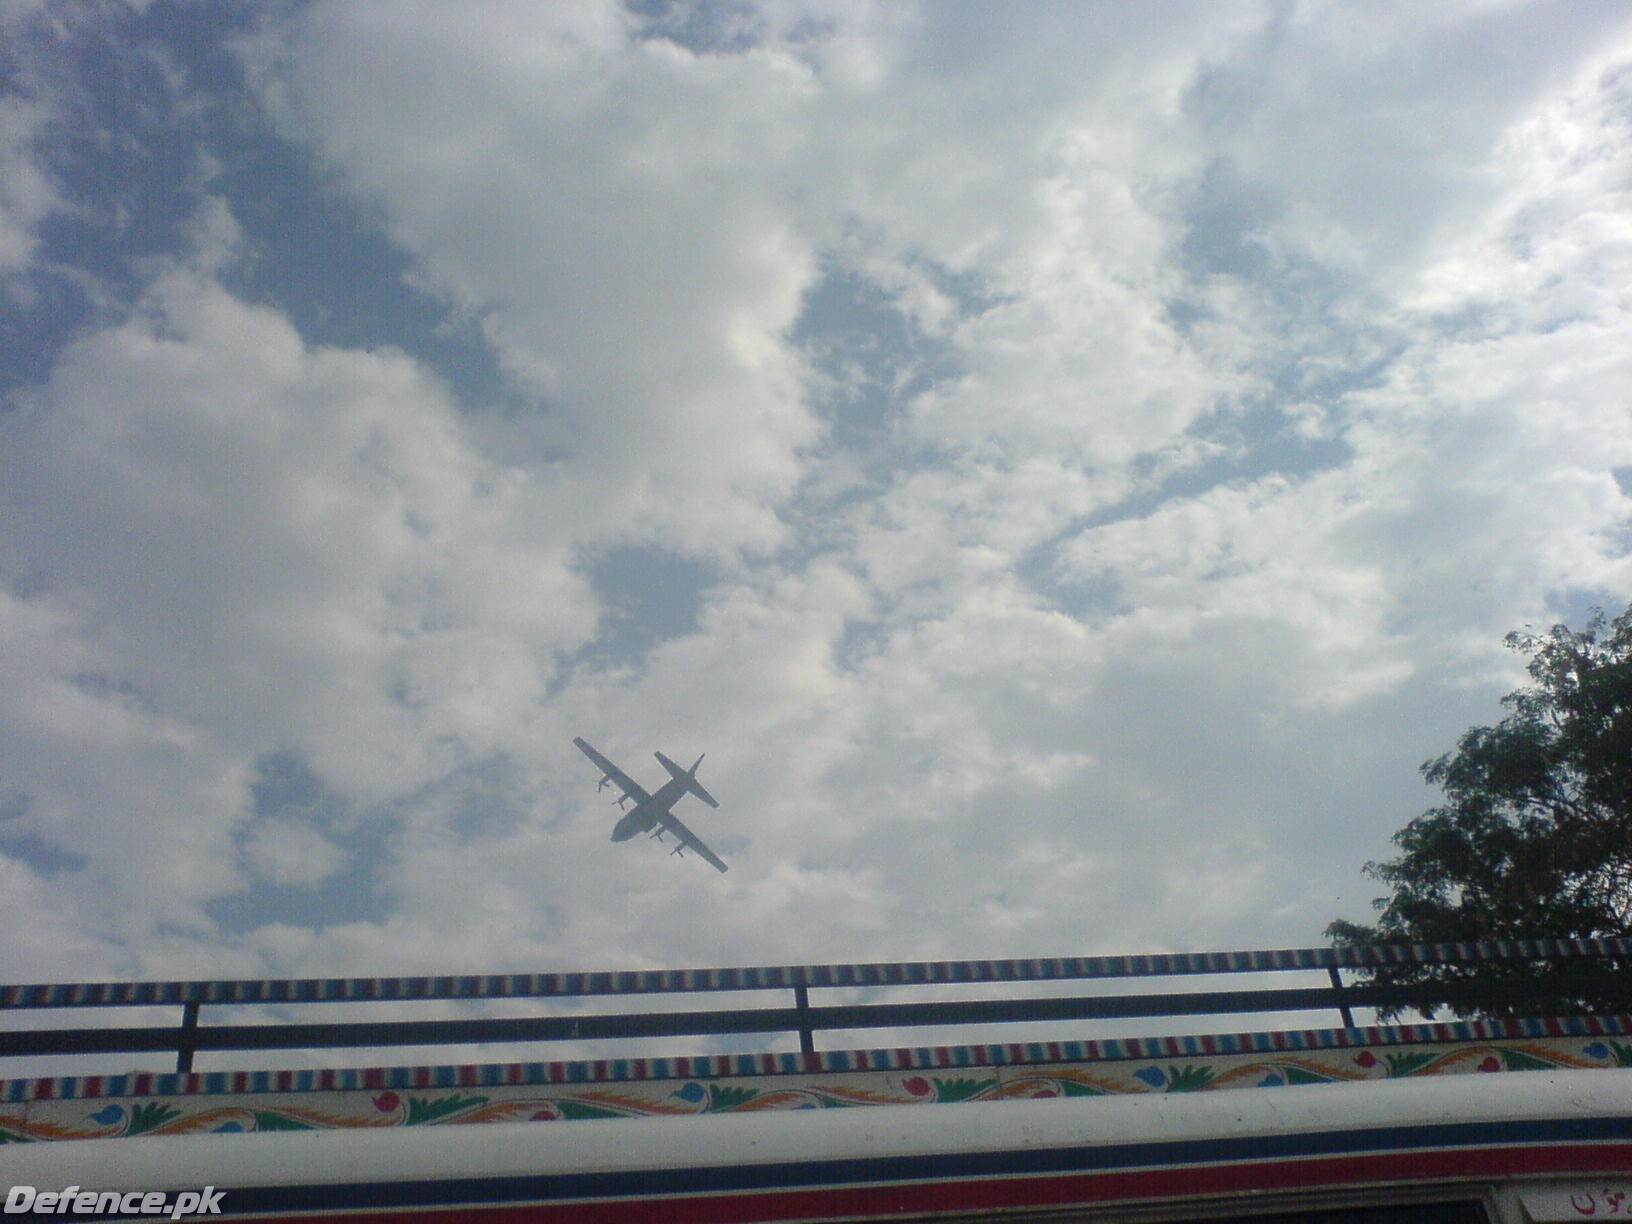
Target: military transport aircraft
651	811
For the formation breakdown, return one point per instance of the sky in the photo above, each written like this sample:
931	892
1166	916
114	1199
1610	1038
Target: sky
1066	465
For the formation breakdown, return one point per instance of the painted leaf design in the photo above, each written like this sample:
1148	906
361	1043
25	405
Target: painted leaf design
1190	1079
271	1120
958	1089
422	1110
583	1109
1407	1064
147	1117
723	1097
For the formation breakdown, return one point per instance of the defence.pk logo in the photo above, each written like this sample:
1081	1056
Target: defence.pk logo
111	1202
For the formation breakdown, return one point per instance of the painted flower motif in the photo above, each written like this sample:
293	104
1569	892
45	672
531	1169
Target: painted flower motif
692	1092
1491	1063
1152	1076
387	1102
1366	1059
545	1113
917	1086
1596	1050
111	1116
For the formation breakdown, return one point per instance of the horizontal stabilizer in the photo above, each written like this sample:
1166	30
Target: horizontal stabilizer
689	777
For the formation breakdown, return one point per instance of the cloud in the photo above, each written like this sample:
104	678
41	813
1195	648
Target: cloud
231	544
609	208
27	195
1365	143
1065	468
284	852
899	688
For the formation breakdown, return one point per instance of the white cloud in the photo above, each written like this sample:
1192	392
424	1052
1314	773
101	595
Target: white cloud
286	852
1368	140
27	195
242	545
609	207
281	536
878	705
1270	374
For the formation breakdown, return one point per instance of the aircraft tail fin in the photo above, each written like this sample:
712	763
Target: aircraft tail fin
689	777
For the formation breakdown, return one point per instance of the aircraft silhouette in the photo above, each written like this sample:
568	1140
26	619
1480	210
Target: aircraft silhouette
651	812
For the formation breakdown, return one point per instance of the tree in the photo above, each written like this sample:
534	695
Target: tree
1534	837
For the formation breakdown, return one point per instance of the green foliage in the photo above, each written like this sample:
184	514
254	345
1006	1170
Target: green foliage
1533	839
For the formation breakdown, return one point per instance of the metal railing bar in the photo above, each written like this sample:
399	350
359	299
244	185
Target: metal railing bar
775	977
1343	1008
804	1020
187	1040
801	1007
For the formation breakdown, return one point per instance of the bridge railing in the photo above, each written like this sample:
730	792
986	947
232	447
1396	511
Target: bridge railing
1564	961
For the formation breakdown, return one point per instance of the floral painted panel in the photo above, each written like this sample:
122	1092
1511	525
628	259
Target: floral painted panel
48	1114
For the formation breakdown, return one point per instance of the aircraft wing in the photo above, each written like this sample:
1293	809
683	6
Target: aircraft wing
690	840
630	787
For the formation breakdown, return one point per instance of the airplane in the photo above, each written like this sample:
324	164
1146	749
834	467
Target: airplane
651	811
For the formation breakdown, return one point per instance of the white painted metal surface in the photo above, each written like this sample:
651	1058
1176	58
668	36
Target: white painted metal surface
507	1149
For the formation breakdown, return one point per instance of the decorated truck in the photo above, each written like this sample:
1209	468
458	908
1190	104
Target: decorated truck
1090	1100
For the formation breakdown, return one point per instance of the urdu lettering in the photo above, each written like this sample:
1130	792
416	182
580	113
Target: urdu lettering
1606	1202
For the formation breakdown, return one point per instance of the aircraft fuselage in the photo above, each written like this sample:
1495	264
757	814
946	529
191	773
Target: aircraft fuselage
643	817
651	813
